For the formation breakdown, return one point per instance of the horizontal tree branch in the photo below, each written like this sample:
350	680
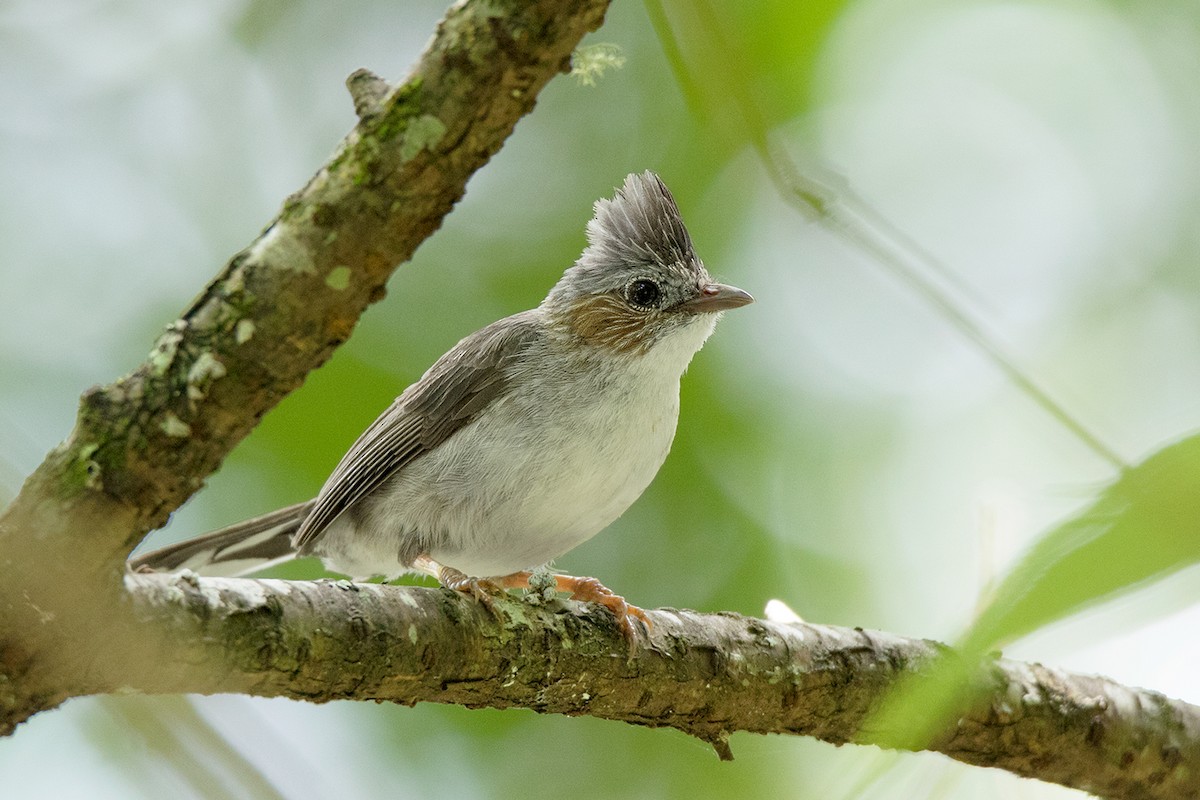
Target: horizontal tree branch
707	675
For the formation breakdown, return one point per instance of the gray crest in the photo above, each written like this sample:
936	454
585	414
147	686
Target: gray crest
639	227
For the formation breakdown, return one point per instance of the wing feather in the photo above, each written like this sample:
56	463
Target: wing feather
450	395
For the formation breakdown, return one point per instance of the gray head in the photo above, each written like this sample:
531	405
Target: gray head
639	279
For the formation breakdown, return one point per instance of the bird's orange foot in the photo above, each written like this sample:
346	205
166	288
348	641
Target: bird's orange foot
588	590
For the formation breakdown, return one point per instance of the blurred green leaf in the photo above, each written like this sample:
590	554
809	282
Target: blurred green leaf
1142	528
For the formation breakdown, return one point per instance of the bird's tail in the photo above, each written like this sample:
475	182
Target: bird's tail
238	549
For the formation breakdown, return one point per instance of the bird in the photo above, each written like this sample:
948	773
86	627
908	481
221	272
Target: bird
521	442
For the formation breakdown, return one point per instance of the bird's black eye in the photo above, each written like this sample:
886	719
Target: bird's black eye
643	293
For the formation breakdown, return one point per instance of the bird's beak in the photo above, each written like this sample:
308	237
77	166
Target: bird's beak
717	297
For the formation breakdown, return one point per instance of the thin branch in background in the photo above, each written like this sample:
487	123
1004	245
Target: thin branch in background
855	220
692	96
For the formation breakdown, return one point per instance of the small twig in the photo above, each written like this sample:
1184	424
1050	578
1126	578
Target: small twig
368	91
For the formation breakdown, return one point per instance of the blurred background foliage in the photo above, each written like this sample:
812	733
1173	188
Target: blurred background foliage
841	447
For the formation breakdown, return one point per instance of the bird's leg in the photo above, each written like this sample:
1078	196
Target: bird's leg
482	589
589	590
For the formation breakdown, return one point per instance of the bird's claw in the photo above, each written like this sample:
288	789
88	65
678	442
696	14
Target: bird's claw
483	590
590	590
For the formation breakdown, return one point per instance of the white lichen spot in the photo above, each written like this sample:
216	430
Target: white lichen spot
409	600
338	278
244	331
542	587
175	427
279	249
590	62
412	633
423	133
165	349
585	697
235	283
206	369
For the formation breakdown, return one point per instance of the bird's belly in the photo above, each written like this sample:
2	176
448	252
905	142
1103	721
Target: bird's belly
519	487
550	491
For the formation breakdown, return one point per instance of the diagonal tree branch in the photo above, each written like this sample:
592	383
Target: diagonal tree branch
707	675
144	444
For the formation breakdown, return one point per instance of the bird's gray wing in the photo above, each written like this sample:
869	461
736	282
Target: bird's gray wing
449	396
